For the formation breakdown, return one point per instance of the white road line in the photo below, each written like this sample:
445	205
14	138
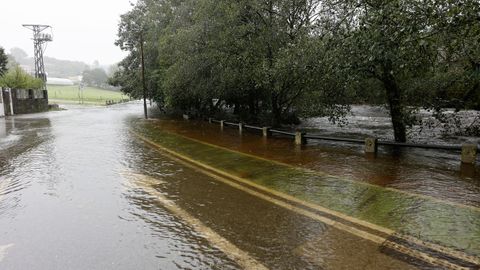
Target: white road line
241	257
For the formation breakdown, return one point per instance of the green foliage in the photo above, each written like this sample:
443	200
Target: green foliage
258	58
17	78
274	60
418	53
89	95
3	61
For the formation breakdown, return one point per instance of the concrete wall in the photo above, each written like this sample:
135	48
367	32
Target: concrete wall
2	107
7	101
29	101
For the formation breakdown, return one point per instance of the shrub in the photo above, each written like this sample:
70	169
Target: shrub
17	78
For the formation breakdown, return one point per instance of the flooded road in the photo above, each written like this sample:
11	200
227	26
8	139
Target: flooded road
99	188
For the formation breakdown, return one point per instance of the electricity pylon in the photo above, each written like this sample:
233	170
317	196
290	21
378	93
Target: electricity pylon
39	40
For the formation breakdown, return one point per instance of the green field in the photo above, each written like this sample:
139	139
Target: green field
91	95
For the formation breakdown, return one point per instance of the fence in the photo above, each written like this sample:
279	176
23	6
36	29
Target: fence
468	151
114	102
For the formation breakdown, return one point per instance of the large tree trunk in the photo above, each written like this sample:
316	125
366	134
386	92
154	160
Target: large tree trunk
397	112
276	112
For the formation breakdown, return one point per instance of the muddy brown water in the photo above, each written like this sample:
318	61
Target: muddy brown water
73	196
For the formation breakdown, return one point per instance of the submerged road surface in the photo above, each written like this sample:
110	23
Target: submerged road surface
99	188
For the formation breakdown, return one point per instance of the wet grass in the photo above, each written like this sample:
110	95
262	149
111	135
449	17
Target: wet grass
419	216
91	95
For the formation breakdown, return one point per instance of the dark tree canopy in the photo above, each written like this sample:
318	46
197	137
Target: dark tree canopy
274	61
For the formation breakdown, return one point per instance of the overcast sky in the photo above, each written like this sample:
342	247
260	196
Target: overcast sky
83	30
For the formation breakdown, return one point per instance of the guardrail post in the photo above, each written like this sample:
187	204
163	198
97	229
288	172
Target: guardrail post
222	124
240	128
469	153
266	132
300	138
186	117
210	120
371	145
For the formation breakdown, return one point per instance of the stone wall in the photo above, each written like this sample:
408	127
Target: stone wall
29	101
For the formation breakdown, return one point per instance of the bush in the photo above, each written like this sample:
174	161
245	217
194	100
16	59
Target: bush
17	78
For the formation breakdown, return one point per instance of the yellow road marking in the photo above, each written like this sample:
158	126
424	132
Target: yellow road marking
233	252
422	256
325	174
207	170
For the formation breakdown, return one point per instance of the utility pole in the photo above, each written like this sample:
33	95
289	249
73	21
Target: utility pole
39	39
143	77
80	93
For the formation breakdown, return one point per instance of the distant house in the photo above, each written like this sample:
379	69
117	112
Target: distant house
59	81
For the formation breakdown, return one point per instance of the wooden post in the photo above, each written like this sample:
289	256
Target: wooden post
300	138
469	153
266	132
371	145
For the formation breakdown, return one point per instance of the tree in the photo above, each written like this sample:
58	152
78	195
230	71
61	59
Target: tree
387	41
273	61
18	54
457	70
3	61
95	77
11	62
257	57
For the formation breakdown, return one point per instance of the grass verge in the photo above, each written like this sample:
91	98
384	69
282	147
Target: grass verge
91	95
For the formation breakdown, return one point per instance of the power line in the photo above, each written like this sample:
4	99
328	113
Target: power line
39	40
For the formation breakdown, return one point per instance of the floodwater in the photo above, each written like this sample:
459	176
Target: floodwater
374	121
99	188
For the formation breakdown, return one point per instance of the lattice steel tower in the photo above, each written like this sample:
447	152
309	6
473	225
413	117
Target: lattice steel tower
39	41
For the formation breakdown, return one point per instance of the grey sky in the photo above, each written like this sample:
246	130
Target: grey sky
83	30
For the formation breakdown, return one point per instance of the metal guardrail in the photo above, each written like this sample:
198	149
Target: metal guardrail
253	127
388	143
424	146
318	137
282	132
231	124
468	152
